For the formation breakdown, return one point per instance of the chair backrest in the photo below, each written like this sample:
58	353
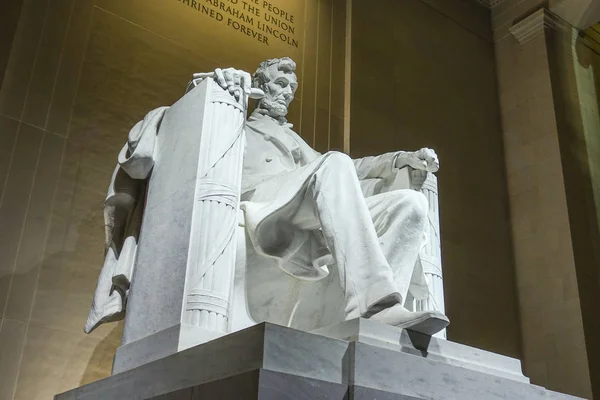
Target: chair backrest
187	243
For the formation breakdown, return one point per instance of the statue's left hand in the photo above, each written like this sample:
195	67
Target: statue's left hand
424	160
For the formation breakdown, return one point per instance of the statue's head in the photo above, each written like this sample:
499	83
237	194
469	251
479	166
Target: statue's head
277	78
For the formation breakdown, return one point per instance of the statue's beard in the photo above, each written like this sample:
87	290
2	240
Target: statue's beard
273	108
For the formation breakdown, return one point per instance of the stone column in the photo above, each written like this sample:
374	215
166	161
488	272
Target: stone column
554	345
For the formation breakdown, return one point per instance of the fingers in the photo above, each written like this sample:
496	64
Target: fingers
427	160
433	161
237	80
427	154
417	163
220	78
228	74
433	167
247	82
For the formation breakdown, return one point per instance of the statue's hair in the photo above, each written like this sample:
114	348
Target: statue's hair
260	77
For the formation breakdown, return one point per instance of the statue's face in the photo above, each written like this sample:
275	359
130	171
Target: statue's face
279	92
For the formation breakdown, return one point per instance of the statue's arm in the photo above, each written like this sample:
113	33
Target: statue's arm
386	165
371	167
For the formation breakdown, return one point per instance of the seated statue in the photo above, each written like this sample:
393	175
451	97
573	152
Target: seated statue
305	209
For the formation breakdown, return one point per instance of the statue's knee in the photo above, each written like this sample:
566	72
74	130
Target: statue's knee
418	204
339	160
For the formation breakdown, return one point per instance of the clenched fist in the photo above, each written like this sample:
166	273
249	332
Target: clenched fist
424	160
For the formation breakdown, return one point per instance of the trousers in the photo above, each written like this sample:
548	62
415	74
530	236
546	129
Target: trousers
375	241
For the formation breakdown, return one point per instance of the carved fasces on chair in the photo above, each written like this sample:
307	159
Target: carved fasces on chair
181	287
430	256
212	250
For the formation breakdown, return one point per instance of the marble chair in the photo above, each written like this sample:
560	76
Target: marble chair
193	275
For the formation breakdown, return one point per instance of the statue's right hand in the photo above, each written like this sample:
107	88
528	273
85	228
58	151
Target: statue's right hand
234	80
230	79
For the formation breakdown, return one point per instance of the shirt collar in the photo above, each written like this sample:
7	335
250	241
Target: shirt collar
261	113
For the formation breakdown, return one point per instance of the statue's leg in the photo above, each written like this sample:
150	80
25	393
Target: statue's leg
399	218
334	198
334	201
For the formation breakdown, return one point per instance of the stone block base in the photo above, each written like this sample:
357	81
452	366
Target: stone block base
372	361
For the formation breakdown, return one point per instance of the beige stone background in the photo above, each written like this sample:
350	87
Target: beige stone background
516	127
548	95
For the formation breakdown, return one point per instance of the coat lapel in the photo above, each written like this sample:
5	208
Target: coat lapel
272	131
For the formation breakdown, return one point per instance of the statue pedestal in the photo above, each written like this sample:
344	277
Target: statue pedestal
268	361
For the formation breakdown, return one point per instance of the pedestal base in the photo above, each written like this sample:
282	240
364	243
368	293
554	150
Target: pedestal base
160	345
432	348
273	362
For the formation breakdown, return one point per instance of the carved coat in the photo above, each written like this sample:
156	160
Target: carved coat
277	165
123	210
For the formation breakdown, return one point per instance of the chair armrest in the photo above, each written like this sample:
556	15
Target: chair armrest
407	178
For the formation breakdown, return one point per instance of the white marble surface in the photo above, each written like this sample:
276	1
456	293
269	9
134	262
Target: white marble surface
183	270
380	335
297	353
187	202
398	372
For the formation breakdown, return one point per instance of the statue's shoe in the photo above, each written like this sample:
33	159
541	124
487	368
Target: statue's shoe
426	322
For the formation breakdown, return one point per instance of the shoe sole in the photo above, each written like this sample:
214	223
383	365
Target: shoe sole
427	324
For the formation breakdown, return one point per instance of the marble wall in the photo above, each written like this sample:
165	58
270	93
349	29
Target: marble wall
78	75
574	61
430	66
543	89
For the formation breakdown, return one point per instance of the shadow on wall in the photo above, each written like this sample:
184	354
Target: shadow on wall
99	363
55	355
105	350
93	360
